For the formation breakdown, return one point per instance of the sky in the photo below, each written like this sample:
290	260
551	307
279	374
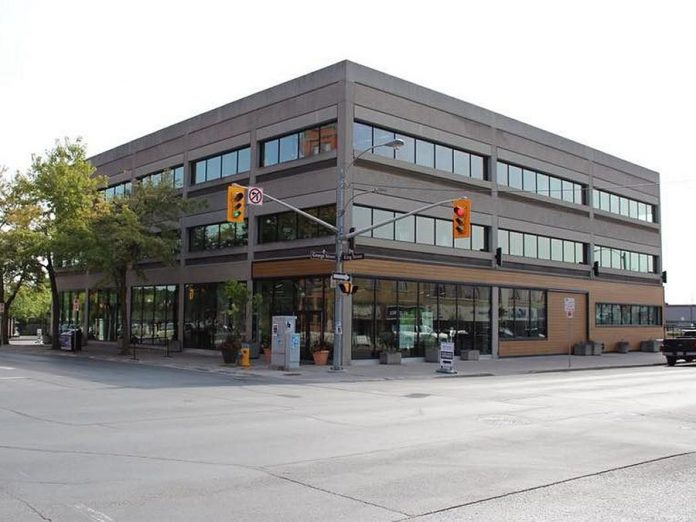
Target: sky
615	75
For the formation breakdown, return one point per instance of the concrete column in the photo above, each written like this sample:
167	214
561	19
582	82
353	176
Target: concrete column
495	304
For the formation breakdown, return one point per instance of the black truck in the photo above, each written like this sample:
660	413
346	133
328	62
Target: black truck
682	347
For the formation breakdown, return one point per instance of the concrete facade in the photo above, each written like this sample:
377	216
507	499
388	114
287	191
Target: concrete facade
346	92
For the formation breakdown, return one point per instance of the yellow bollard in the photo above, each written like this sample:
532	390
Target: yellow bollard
244	359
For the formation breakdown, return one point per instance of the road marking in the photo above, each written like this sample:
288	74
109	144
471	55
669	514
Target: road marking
95	515
11	378
7	368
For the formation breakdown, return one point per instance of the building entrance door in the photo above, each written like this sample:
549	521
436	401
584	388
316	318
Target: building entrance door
310	330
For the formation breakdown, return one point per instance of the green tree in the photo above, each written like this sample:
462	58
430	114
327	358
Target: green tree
62	185
33	301
130	229
18	249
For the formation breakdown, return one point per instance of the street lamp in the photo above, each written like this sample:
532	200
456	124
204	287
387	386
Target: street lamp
337	365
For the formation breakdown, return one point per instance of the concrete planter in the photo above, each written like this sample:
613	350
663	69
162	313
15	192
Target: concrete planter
432	354
622	347
470	355
649	346
390	358
597	348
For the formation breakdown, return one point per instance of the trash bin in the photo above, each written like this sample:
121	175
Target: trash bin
67	340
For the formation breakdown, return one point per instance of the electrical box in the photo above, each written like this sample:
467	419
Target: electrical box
285	343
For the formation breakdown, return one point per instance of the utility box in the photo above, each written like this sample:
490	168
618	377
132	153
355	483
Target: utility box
285	343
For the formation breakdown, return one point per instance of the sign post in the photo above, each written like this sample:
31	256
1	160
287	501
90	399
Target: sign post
569	308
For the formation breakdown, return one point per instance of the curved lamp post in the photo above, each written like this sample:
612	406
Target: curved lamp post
337	364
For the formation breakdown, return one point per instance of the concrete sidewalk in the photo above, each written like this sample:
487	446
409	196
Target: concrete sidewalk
204	361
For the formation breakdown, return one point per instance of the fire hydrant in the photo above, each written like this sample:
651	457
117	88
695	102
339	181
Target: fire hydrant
244	357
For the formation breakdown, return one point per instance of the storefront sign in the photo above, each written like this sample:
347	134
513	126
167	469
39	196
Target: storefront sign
446	358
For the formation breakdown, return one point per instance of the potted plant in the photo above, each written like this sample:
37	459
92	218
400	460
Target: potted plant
238	295
230	349
320	353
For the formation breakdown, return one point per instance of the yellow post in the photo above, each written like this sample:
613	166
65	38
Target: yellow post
244	359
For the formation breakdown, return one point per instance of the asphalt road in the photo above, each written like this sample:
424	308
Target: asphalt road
104	441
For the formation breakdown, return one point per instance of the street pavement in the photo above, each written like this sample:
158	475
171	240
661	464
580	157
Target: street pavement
87	438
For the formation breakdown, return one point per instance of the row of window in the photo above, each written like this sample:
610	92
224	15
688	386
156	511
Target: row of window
308	142
541	247
542	184
222	165
288	226
420	152
632	315
217	235
522	313
154	314
608	257
176	177
417	229
623	206
120	190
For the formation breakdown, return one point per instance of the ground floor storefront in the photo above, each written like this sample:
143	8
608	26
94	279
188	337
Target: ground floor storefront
406	307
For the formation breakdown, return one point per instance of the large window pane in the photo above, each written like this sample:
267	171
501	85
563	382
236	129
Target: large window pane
199	172
516	244
363	345
477	167
478	238
309	142
270	153
408	317
229	164
243	159
556	250
408	151
381	137
362	218
504	241
569	251
515	177
288	148
425	230
425	153
613	203
530	245
443	158
567	188
542	184
501	172
287	226
385	231
544	247
386	309
328	137
268	228
362	136
213	168
463	167
443	233
406	229
555	188
529	181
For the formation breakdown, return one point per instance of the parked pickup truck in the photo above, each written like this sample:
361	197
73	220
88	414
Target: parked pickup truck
682	347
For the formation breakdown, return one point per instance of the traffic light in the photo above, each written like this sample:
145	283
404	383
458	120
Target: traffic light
499	256
461	218
664	276
348	288
236	204
595	268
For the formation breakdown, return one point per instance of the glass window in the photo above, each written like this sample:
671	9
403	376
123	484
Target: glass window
425	153
462	163
213	168
199	172
529	180
568	193
477	167
385	231
634	262
595	198
425	230
287	226
650	213
243	159
651	262
633	209
515	177
443	158
309	142
521	312
504	241
229	164
537	314
212	237
381	137
501	172
568	251
613	203
268	229
478	238
443	233
408	151
306	228
288	148
542	184
197	239
327	213
615	256
530	245
577	193
544	247
270	153
604	201
362	136
579	253
555	189
623	206
328	137
642	211
178	177
516	244
362	218
556	250
406	229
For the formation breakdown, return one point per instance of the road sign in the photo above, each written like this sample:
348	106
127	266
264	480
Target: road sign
322	255
340	277
255	196
569	307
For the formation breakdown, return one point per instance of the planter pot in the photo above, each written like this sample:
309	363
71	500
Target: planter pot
622	347
321	357
470	355
649	346
390	358
597	348
432	354
583	348
229	356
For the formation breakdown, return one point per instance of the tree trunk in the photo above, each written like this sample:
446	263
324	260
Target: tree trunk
55	305
3	327
123	312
